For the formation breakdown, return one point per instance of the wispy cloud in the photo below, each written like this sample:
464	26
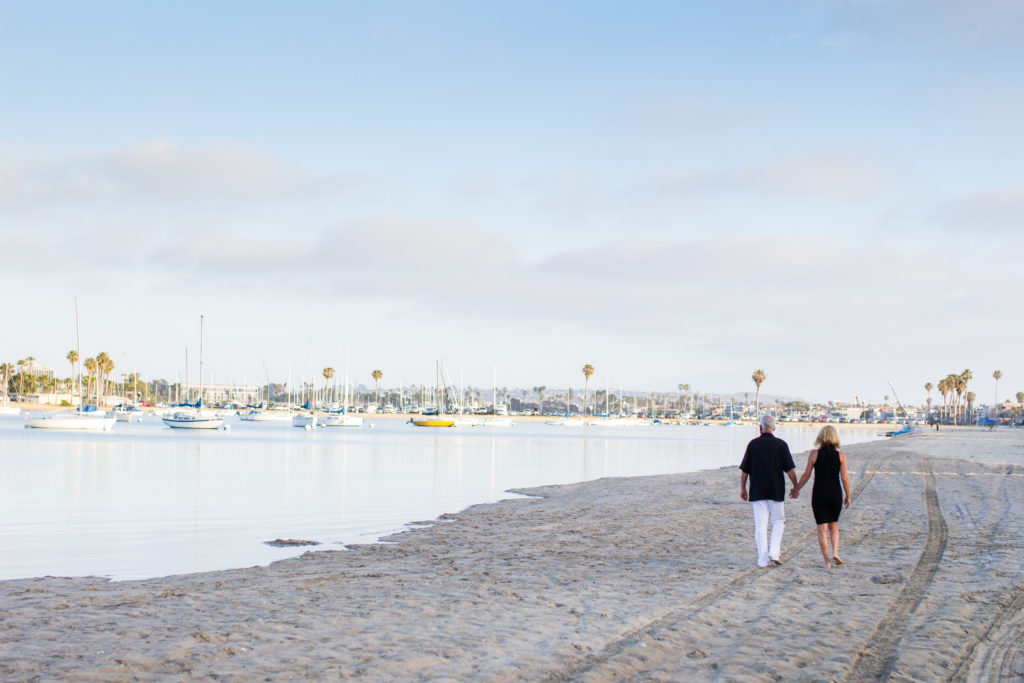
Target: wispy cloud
996	210
840	40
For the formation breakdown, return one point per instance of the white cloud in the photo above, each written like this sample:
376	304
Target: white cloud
1000	209
158	169
840	40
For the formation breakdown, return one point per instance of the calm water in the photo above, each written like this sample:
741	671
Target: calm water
146	500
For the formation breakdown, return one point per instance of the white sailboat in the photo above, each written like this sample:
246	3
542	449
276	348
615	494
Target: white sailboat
501	418
270	414
195	418
96	421
309	419
342	418
567	421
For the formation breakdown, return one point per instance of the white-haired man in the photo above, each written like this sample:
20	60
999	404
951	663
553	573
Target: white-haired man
766	459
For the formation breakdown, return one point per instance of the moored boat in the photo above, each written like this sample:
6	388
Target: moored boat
433	421
188	419
304	420
71	420
340	420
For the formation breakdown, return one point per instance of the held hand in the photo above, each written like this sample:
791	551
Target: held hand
795	493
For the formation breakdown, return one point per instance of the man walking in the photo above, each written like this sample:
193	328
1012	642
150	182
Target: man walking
764	462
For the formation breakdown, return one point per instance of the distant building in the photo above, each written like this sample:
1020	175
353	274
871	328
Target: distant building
30	368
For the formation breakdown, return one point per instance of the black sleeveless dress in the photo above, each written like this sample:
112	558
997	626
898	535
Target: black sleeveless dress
827	494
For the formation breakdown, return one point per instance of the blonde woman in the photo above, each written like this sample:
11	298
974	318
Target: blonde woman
827	498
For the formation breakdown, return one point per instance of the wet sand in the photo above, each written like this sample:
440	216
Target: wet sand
649	578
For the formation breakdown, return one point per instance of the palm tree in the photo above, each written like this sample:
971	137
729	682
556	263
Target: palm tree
588	370
928	388
90	367
72	358
759	378
21	376
540	398
328	374
104	366
1020	397
377	374
7	370
998	375
969	398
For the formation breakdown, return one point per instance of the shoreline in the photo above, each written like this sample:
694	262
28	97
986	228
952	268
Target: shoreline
639	578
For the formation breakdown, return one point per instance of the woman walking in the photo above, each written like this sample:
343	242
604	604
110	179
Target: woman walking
827	498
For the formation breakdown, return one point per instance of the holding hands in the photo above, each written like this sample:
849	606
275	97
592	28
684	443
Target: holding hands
795	492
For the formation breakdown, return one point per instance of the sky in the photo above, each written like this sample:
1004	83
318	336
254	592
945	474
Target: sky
673	192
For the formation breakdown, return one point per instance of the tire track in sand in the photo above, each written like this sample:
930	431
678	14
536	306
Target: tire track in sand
998	661
876	657
633	639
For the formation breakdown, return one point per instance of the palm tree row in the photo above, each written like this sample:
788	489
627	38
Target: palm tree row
953	388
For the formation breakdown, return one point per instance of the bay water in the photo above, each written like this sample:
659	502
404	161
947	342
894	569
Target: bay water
145	501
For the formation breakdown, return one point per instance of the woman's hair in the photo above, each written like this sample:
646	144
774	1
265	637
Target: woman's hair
828	436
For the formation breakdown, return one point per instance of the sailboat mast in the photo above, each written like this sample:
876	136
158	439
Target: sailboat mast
344	397
78	345
201	318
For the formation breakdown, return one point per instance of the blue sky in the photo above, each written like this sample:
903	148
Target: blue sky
672	192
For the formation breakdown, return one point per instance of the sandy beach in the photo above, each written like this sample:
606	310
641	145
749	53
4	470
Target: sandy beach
648	578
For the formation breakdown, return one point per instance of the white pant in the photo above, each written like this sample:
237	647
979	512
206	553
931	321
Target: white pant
765	511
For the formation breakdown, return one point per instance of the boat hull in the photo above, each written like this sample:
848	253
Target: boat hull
193	422
76	422
341	421
433	421
281	416
305	421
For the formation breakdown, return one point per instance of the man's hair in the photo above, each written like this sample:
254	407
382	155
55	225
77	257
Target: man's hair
767	423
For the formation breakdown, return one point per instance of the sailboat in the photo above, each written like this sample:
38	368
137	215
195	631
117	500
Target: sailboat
566	421
501	418
342	418
195	418
97	421
262	414
308	419
6	408
438	419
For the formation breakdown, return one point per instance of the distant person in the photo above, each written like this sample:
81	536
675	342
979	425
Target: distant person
764	462
827	497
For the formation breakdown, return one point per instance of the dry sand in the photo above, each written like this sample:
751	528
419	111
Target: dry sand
647	578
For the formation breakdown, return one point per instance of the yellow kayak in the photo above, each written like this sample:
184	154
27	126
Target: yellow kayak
433	421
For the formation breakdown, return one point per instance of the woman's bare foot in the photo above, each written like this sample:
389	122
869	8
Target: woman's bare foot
828	565
835	558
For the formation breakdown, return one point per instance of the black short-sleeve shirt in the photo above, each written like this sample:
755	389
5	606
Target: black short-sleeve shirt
767	458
